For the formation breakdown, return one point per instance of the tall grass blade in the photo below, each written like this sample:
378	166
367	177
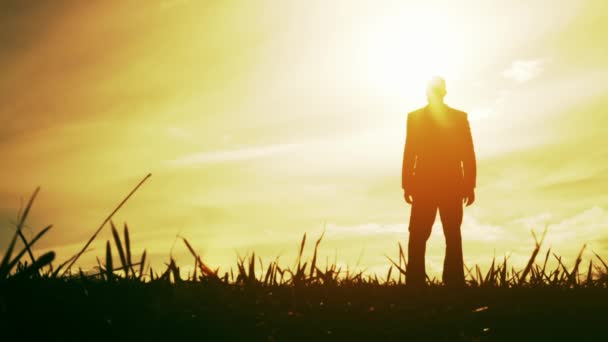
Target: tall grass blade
537	246
545	262
141	264
589	274
109	265
602	261
9	251
268	275
203	267
299	258
75	258
36	266
503	273
575	273
402	270
402	258
28	246
251	274
121	252
127	240
22	222
313	264
490	276
174	271
60	267
4	269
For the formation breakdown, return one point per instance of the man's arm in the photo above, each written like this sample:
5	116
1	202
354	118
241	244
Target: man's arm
469	163
409	160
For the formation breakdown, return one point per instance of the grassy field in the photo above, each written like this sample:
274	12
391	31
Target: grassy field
125	299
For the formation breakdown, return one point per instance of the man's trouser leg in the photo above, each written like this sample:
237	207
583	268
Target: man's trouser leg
450	211
422	218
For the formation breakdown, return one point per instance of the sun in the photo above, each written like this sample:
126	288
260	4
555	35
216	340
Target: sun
401	53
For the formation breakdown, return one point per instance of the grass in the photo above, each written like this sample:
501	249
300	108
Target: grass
125	298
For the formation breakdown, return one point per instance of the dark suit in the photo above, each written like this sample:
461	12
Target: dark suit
439	168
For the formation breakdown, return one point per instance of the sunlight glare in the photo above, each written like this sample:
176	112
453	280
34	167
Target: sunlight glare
402	52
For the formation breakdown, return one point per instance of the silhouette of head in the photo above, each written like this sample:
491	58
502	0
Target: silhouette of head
436	90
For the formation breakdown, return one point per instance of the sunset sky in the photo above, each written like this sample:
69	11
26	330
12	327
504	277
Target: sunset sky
262	120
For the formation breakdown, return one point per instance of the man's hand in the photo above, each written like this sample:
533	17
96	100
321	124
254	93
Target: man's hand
409	199
469	197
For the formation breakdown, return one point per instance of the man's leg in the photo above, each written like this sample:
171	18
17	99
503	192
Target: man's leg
450	211
422	218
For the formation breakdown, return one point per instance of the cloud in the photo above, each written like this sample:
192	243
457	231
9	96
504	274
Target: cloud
586	227
366	229
472	230
524	70
538	221
566	235
231	155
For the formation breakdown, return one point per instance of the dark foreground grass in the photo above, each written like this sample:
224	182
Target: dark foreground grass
82	309
125	299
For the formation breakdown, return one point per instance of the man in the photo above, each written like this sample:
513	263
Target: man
439	171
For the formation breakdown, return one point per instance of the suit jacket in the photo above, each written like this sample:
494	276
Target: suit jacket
439	157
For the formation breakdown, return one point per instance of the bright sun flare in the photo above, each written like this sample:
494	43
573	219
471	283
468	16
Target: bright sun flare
402	54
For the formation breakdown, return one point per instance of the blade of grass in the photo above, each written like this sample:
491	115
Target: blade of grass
575	273
299	258
9	251
61	266
75	258
602	261
251	274
102	269
121	252
35	267
589	273
537	246
28	246
109	266
545	263
313	264
127	240
396	265
22	222
388	275
203	267
141	264
4	271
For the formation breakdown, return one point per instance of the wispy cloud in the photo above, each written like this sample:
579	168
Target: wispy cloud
524	70
366	229
585	227
472	230
231	155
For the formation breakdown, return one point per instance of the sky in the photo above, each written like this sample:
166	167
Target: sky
264	120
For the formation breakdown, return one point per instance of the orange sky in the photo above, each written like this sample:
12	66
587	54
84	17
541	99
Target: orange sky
262	120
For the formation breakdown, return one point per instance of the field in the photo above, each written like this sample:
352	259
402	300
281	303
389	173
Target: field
125	299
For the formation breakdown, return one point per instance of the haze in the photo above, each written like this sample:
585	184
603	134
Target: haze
262	120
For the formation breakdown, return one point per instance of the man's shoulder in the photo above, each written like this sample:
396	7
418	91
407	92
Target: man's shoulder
420	112
416	113
457	112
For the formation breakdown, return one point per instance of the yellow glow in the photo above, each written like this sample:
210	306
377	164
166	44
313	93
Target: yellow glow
261	120
403	51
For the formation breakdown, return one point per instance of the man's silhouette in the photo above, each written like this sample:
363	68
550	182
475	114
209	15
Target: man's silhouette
439	171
